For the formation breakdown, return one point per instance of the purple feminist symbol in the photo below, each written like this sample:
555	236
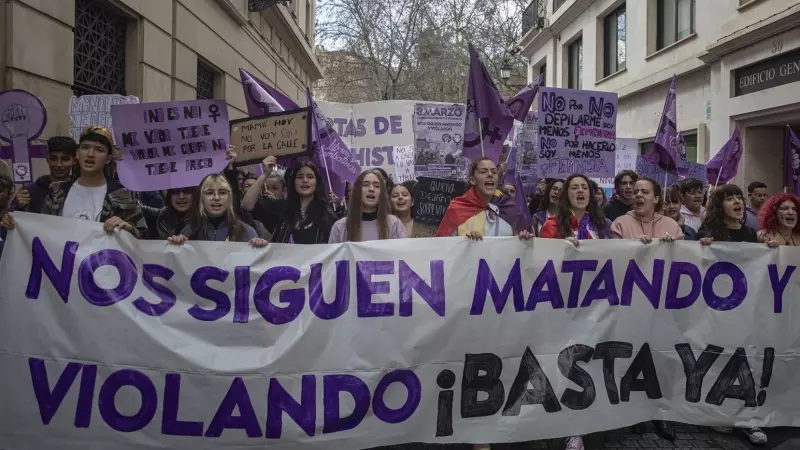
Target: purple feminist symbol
22	119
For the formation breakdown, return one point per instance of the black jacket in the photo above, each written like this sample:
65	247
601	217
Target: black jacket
615	208
38	190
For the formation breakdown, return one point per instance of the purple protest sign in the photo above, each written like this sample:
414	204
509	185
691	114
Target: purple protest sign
646	168
577	132
171	144
694	171
23	118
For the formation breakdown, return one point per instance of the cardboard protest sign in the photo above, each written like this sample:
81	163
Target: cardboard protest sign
170	144
89	110
403	164
22	119
360	345
432	196
577	132
276	134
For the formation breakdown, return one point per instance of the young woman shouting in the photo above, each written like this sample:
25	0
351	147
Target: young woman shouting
483	210
645	221
368	217
577	215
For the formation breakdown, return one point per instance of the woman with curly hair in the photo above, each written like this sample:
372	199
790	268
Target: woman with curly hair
723	220
779	225
548	204
577	215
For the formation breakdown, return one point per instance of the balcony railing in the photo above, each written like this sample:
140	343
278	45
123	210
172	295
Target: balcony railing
534	15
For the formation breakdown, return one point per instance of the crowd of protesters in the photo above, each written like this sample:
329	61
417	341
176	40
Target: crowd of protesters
295	209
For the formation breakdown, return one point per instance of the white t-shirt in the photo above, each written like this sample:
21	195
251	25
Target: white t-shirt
84	202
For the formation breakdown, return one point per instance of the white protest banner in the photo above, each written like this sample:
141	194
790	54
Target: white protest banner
372	130
404	164
577	132
94	110
110	342
625	159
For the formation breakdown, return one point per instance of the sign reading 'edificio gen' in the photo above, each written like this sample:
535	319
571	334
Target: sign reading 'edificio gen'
770	73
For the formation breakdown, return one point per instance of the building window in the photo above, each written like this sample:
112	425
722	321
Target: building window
575	65
557	4
206	78
99	65
614	42
690	141
645	147
543	73
675	21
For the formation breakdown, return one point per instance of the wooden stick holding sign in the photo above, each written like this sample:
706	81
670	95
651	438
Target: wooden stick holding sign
276	134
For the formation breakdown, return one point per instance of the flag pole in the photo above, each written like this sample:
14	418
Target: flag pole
480	136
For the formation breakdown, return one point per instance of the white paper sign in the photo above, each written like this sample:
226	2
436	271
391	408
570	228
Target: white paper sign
110	342
404	164
89	110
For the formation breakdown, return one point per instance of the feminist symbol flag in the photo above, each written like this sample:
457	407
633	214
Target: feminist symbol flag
791	155
262	98
725	164
488	119
665	148
520	104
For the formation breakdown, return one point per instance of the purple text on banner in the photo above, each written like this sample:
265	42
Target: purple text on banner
556	167
171	144
645	168
578	125
22	119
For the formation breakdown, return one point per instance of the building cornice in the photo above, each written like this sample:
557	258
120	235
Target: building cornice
764	29
280	18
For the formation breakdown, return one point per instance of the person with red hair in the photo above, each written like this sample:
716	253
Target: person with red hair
779	224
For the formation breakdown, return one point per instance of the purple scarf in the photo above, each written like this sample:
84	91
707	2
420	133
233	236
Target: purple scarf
586	226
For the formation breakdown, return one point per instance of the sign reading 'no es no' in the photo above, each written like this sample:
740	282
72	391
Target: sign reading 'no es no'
276	134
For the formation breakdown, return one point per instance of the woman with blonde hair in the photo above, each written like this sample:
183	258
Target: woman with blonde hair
213	216
368	217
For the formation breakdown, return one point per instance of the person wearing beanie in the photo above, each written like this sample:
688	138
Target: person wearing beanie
93	196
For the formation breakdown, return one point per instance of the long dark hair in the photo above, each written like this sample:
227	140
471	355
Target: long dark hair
198	216
315	211
714	223
172	218
544	203
564	212
354	209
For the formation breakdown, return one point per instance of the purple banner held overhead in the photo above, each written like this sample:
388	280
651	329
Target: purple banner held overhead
171	144
488	119
665	148
330	150
694	171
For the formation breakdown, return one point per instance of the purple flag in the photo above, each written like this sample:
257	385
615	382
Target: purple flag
511	166
261	98
664	151
520	104
725	164
332	154
522	204
683	162
791	155
488	119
